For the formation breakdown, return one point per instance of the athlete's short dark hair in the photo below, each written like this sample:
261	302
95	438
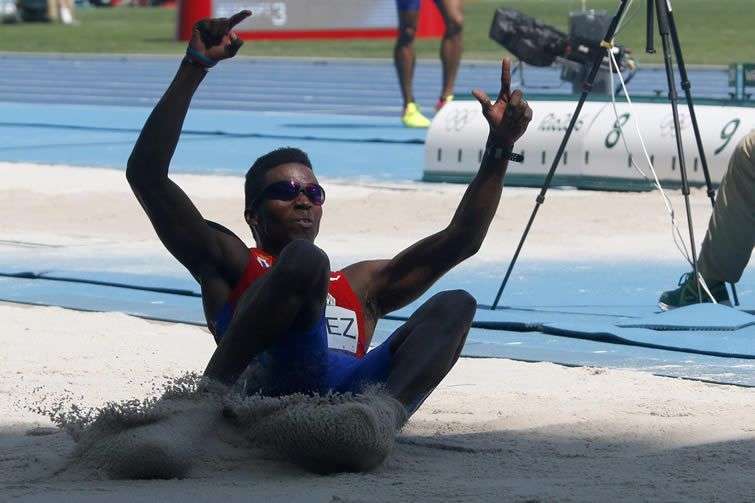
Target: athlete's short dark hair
256	174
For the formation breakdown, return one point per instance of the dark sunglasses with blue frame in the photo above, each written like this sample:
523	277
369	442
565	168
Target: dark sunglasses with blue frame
288	190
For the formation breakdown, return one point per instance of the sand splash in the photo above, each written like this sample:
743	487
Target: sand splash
194	427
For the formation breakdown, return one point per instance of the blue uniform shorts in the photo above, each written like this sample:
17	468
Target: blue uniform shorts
409	5
301	362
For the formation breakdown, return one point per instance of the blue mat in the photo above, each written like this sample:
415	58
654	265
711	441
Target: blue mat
724	341
88	297
709	317
174	299
164	300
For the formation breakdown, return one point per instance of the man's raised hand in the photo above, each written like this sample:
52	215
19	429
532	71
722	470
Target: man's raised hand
214	38
509	116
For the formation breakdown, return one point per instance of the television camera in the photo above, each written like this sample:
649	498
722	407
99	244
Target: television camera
538	44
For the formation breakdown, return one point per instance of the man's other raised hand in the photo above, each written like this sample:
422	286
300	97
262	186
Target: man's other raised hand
509	115
215	39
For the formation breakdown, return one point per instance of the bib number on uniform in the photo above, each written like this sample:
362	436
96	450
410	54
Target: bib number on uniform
341	324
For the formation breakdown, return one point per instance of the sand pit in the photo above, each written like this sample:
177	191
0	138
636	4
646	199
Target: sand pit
58	205
494	429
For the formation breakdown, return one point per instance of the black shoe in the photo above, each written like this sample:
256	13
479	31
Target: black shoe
686	294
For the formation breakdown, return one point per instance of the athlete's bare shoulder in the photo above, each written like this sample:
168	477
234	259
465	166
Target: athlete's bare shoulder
234	251
361	277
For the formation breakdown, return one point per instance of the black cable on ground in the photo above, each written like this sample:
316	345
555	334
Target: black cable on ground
34	275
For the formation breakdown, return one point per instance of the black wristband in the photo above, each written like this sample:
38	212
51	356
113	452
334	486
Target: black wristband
190	62
507	153
196	58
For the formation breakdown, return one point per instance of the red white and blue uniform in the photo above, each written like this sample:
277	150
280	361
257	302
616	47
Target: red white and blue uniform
331	356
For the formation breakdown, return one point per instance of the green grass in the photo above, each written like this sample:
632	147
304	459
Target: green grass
710	32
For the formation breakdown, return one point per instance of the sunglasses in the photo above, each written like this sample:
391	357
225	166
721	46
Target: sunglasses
288	190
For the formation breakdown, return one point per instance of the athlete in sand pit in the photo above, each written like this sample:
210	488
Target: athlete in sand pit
279	306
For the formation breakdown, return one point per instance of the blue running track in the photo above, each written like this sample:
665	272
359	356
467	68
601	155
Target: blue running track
350	87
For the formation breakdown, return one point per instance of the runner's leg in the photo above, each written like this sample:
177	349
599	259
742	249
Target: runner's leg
403	53
451	46
290	297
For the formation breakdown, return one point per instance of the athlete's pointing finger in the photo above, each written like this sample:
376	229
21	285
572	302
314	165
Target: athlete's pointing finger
505	93
238	17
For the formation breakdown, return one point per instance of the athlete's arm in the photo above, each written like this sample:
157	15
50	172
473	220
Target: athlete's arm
386	285
177	221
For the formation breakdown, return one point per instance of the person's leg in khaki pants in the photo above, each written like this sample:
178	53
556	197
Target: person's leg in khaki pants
730	238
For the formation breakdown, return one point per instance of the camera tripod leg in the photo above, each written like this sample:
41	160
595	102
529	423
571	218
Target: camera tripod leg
662	7
586	88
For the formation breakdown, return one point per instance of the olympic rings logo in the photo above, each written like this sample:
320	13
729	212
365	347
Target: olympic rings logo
457	120
667	125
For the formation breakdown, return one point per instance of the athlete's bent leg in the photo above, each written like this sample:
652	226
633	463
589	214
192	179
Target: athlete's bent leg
428	345
403	53
452	44
290	297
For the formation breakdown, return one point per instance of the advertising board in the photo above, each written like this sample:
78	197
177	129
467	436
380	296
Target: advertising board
309	19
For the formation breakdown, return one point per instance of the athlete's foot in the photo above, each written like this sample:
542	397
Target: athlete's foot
413	117
443	101
331	433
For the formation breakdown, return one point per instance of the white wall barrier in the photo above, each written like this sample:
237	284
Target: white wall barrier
595	156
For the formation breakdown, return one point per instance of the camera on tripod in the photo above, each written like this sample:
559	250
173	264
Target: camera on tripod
539	44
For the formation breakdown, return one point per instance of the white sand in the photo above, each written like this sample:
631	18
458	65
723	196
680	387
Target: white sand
495	430
54	204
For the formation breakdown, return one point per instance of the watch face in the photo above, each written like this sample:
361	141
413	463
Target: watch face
498	152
